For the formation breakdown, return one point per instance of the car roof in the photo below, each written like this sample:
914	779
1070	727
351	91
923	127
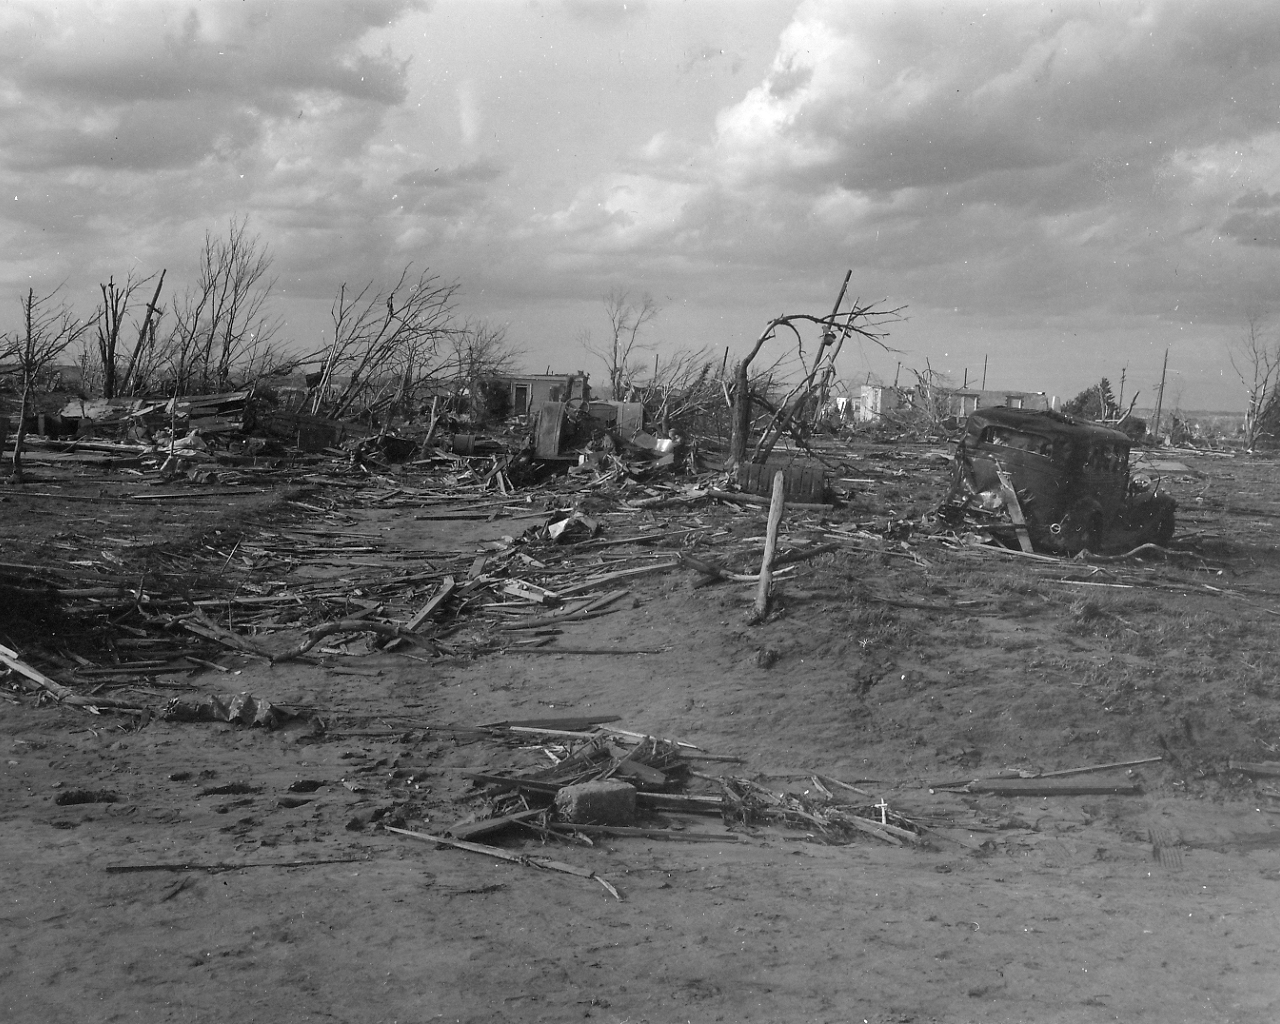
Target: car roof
1046	423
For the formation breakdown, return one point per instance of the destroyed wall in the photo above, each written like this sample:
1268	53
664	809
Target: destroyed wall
530	390
963	401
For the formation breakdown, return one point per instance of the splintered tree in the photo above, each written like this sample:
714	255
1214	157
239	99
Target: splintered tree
383	337
112	315
684	387
864	320
621	351
222	324
477	354
1095	403
48	329
1255	356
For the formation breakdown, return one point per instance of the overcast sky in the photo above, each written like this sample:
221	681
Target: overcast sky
1062	189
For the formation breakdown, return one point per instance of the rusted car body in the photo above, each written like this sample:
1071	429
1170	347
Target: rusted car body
1071	478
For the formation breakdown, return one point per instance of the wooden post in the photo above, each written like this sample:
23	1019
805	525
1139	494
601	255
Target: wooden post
761	609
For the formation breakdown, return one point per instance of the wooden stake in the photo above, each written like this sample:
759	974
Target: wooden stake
761	609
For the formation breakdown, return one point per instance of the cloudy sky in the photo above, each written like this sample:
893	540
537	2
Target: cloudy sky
1061	189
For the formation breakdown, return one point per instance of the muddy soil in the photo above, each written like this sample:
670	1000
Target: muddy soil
237	874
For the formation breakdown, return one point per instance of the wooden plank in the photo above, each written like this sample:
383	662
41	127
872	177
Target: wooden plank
1011	502
631	831
629	769
597	581
515	858
507	782
1104	767
592	610
62	694
488	826
687	804
1267	769
447	586
570	723
1045	787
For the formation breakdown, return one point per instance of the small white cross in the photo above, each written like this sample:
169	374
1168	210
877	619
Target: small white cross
883	808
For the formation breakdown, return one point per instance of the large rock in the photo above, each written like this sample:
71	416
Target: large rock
597	803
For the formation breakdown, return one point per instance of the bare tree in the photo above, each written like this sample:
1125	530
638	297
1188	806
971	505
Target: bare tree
48	329
930	400
384	335
1255	356
619	354
112	314
479	353
683	385
222	323
865	320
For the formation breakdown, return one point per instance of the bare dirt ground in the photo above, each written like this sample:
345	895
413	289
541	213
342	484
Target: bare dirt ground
896	662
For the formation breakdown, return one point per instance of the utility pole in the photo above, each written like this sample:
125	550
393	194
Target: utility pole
984	371
1160	397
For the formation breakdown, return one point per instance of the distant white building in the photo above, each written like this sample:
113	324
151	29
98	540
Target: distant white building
868	403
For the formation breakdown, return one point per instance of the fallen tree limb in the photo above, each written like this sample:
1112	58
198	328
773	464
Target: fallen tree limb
350	626
1142	549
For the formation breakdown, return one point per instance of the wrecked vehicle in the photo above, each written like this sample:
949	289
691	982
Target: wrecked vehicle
1069	478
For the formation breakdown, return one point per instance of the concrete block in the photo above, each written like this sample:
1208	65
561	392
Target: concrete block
597	803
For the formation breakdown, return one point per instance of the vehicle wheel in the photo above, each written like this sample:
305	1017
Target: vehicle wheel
1093	534
1081	529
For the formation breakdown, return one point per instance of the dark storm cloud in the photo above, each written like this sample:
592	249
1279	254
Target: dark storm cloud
169	84
1254	228
869	105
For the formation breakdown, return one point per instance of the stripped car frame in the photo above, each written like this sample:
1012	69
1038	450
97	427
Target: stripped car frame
1070	482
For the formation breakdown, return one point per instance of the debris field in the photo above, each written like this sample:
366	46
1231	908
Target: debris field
446	733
